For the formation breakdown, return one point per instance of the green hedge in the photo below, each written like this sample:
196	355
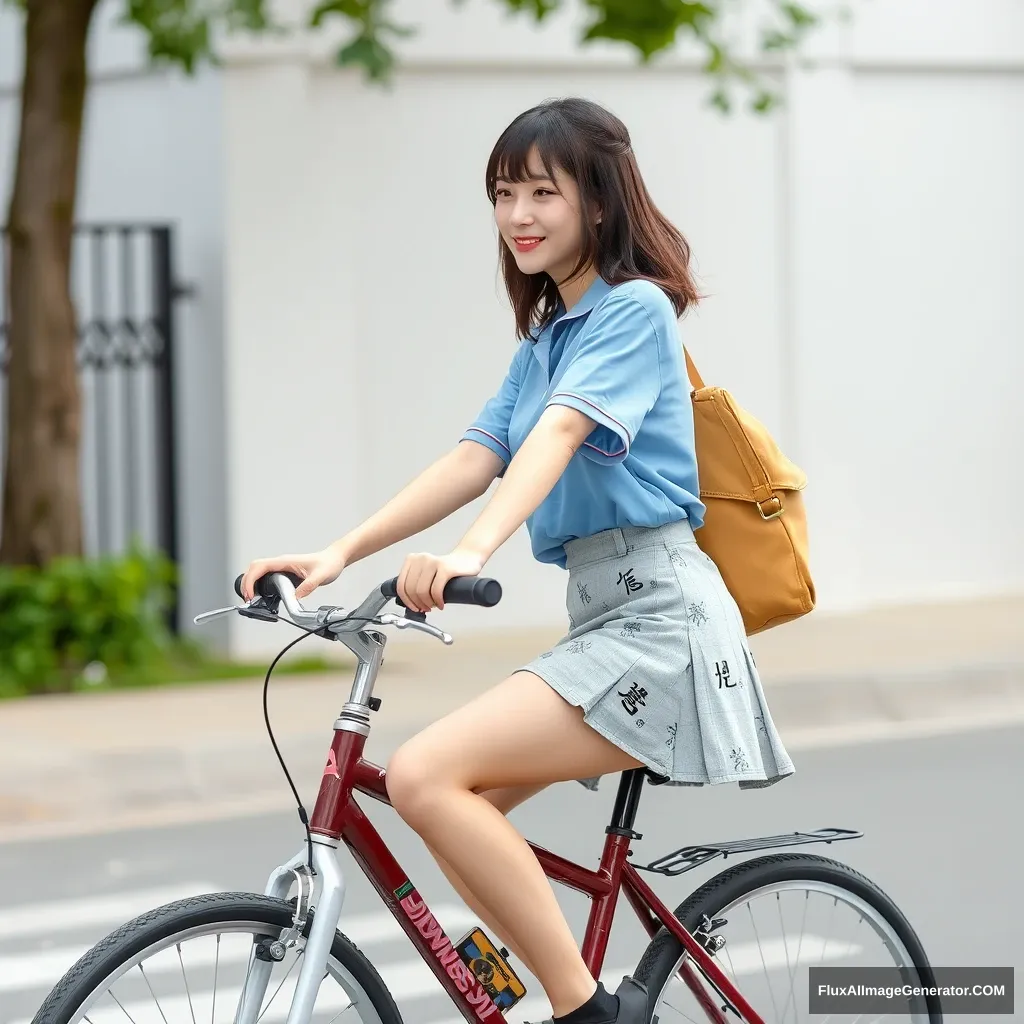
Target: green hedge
99	624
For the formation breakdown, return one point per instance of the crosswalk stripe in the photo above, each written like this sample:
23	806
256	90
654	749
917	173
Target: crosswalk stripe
412	979
745	958
407	980
46	967
63	915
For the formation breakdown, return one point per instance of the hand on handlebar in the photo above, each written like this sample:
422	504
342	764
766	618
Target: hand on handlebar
315	570
423	577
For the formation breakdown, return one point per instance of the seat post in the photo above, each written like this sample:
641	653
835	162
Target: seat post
627	802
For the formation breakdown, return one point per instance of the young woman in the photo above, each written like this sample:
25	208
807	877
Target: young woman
591	433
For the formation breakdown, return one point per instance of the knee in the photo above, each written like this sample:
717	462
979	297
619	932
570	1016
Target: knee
413	782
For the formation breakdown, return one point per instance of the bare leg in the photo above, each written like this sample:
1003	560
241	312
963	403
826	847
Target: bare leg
435	779
504	800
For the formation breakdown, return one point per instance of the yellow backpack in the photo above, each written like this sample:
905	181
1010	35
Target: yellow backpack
755	528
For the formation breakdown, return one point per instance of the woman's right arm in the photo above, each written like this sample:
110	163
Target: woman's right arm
454	480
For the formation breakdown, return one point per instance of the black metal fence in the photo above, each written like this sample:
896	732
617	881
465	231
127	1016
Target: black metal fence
122	283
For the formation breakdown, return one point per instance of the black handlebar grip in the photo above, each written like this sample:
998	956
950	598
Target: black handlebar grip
476	590
264	588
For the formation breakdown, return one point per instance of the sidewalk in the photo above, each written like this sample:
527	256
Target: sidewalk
83	762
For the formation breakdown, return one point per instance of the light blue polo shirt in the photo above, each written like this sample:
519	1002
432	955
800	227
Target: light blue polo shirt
615	356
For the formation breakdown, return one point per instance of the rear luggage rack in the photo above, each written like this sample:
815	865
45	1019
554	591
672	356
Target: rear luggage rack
693	856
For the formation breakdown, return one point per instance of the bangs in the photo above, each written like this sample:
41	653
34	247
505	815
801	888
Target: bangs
543	129
625	237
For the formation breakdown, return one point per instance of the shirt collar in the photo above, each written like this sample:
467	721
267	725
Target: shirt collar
598	289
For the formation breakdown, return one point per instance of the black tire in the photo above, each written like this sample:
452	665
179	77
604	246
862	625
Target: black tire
100	962
662	956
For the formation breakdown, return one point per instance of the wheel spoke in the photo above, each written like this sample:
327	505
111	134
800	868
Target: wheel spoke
123	1010
732	966
216	969
785	946
681	1013
760	949
184	978
340	1012
811	934
828	930
800	941
171	962
278	989
850	947
153	994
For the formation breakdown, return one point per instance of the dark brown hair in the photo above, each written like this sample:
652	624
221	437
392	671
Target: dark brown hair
633	239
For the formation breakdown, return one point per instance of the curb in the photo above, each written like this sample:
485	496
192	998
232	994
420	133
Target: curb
46	791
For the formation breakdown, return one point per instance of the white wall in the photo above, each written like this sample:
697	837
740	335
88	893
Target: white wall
152	152
861	250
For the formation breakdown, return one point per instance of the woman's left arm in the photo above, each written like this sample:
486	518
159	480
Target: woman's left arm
528	480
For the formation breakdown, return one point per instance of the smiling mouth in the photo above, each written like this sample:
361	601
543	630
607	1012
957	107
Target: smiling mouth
526	242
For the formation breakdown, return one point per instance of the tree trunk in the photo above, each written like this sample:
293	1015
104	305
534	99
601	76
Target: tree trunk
42	515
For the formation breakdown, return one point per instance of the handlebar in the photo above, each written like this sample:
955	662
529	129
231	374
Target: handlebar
275	588
460	590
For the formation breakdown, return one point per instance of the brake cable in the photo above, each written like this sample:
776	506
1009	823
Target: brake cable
306	633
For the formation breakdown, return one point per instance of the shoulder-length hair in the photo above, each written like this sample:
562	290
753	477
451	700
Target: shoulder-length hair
633	239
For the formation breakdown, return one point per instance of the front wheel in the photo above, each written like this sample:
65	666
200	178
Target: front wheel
779	915
189	961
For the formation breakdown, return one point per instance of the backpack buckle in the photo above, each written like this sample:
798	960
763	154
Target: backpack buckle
777	511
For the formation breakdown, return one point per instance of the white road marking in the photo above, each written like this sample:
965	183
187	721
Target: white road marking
115	909
47	967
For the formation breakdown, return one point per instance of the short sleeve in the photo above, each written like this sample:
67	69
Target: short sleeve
614	376
490	428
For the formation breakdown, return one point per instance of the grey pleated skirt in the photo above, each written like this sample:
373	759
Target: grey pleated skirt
658	659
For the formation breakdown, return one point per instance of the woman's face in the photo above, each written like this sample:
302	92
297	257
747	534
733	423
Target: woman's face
540	220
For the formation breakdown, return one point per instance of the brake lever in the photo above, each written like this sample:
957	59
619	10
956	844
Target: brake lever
401	622
206	616
256	610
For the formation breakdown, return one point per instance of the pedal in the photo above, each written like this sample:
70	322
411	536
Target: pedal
490	967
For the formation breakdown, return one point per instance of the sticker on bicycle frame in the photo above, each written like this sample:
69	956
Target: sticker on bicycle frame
404	889
491	969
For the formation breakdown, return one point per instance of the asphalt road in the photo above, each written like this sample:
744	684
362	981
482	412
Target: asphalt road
942	818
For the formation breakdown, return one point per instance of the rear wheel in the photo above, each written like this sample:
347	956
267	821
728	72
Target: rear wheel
779	915
189	961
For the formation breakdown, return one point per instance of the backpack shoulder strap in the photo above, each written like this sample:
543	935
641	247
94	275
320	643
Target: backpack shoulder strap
695	378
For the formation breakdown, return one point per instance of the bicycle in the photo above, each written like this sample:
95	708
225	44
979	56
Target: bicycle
689	954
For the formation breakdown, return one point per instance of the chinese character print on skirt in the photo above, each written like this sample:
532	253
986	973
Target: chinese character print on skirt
657	658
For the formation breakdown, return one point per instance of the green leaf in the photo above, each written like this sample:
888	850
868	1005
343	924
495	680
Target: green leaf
178	30
764	102
539	8
799	16
369	53
717	61
250	16
355	10
650	27
720	100
773	40
400	31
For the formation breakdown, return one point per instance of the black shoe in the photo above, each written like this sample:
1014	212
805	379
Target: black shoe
632	995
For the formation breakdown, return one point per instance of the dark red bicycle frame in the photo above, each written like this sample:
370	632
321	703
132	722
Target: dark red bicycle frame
336	814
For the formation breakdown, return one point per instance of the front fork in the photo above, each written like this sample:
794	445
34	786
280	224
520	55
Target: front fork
331	895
